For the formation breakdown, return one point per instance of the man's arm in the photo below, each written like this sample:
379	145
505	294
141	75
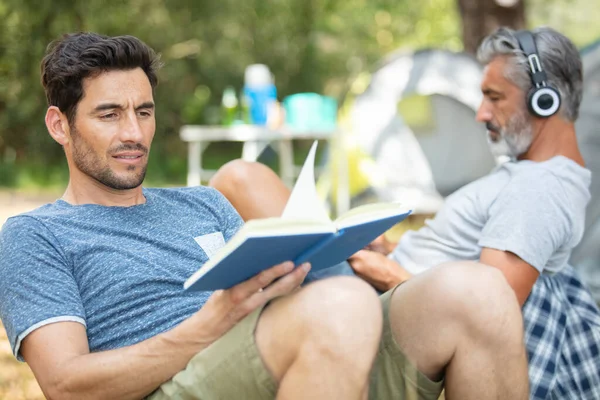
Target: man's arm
384	273
59	354
520	275
531	219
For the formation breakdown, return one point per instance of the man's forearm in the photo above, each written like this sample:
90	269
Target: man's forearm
135	371
131	372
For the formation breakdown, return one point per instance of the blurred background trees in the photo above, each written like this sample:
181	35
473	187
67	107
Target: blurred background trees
310	45
480	17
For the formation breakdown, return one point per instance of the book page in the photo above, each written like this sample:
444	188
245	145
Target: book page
304	202
370	212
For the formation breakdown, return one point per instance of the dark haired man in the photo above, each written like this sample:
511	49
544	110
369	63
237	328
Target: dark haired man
91	291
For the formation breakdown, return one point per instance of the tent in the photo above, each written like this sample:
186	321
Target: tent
416	120
586	257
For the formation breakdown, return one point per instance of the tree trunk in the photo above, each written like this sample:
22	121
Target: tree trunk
482	17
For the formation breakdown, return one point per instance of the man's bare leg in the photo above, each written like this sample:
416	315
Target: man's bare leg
253	189
480	350
321	342
462	321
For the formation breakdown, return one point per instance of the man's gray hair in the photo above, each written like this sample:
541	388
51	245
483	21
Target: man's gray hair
559	57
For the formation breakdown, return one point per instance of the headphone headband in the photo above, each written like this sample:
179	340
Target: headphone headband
527	44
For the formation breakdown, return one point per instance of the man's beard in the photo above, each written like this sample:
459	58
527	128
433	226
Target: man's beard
514	139
91	164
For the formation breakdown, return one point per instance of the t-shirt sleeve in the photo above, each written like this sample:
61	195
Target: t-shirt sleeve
37	286
230	220
531	218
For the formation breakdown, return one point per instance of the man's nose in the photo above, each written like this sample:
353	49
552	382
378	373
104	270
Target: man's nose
483	113
131	131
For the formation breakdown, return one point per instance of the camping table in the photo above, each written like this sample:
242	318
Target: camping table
199	136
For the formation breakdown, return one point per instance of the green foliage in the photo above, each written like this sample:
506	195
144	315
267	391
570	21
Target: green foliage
578	19
7	175
310	45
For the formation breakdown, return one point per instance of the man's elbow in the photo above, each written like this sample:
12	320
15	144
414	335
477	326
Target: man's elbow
66	386
60	393
59	390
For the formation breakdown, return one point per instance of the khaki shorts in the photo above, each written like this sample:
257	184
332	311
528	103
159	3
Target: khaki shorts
231	368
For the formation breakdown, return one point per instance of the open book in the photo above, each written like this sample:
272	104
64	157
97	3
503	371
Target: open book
304	233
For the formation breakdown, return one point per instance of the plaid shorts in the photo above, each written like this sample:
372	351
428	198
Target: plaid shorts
562	335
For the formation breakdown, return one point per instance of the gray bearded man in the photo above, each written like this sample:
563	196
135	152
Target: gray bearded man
522	219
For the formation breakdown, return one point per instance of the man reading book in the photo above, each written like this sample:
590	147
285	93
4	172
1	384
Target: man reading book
522	219
92	294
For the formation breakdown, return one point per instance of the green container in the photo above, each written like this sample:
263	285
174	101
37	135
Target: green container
229	106
310	112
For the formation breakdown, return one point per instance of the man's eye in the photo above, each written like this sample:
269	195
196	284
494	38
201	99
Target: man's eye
108	116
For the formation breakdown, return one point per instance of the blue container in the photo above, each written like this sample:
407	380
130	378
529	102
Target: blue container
260	99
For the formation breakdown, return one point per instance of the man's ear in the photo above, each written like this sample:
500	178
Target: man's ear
57	125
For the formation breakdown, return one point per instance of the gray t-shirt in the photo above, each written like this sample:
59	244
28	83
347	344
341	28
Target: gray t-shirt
534	210
117	270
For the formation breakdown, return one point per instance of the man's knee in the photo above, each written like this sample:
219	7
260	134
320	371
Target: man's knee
474	293
253	189
337	320
339	305
234	174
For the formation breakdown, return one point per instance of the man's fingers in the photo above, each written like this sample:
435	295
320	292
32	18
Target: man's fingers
356	265
360	261
242	291
285	285
356	256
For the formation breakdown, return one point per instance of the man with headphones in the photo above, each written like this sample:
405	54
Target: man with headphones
524	218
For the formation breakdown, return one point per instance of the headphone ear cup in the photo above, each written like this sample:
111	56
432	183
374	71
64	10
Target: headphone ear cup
530	101
543	102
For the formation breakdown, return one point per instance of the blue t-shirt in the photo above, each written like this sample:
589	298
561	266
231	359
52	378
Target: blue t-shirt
117	270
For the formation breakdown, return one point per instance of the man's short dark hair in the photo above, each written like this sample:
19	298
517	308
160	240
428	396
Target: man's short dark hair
76	56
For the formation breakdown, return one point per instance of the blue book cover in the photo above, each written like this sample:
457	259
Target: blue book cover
257	247
348	240
304	233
